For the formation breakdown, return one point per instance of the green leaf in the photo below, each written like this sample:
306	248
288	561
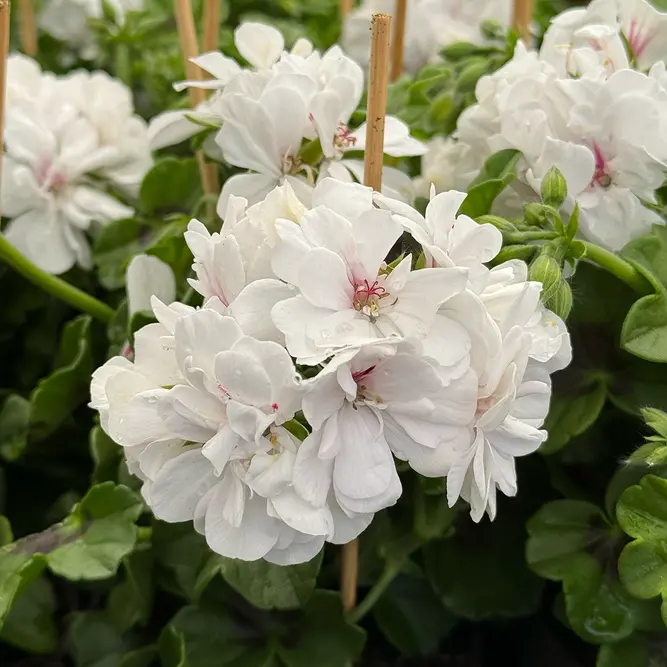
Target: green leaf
29	625
642	509
498	172
598	608
560	534
173	183
323	636
411	616
14	425
115	245
265	585
632	652
573	414
490	580
212	638
181	553
644	332
57	395
106	456
99	532
642	567
649	255
17	571
131	603
657	420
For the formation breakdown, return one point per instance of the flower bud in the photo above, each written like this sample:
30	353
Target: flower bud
561	302
498	222
546	270
470	75
535	214
554	188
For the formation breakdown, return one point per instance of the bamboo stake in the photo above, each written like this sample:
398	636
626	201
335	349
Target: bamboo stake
28	31
346	7
5	6
522	18
377	100
212	14
188	38
375	117
397	46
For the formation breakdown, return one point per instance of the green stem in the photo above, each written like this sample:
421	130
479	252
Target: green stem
617	267
390	572
144	534
54	285
524	237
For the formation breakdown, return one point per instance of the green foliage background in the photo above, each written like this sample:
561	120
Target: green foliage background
573	573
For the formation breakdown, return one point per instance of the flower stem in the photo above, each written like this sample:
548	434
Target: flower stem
525	237
617	267
54	285
388	575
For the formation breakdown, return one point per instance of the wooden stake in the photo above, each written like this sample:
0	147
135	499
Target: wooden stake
523	17
375	117
377	100
346	7
4	52
28	31
212	14
188	38
399	39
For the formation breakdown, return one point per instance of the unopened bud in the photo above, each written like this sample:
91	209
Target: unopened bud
554	188
498	222
536	215
546	270
470	75
561	302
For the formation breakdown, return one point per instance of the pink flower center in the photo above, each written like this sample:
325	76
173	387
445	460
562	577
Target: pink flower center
367	297
484	404
343	138
639	38
601	176
48	178
359	376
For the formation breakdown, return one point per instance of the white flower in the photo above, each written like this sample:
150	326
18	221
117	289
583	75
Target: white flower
67	20
348	296
510	411
430	25
147	277
56	140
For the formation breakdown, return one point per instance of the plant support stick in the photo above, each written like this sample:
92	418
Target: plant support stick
28	30
211	25
346	7
398	44
377	109
188	38
523	16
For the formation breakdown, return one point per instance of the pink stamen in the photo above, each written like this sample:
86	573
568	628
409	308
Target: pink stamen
342	137
366	290
358	376
274	407
601	175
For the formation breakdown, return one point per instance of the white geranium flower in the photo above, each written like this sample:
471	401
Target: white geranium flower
62	150
368	402
348	296
511	408
148	277
67	20
430	25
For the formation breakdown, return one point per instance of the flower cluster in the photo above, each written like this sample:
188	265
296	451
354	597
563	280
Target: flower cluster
285	119
67	20
272	416
430	25
593	102
69	141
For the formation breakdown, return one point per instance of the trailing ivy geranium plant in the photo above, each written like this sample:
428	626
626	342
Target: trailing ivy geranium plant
287	381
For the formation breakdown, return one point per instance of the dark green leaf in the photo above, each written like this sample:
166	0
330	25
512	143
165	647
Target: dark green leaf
324	637
411	616
131	602
173	183
644	332
265	585
14	424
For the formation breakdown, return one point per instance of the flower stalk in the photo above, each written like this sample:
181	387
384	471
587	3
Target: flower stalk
54	285
376	112
617	267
